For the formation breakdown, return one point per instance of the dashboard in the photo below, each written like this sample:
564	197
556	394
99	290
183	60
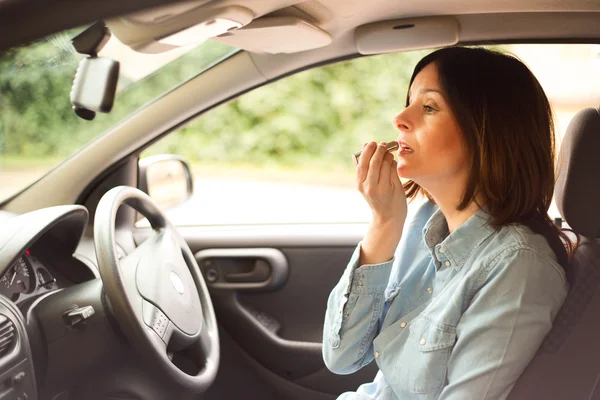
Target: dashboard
29	277
40	269
58	339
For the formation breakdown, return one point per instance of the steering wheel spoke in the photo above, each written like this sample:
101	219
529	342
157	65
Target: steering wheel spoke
157	321
202	348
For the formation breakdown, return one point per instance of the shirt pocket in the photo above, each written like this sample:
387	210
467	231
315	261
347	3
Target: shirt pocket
421	363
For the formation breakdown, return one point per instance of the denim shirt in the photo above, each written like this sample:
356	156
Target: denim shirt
452	316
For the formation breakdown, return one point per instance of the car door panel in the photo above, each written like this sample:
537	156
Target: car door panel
270	294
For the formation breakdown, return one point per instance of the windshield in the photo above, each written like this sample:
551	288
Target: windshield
38	127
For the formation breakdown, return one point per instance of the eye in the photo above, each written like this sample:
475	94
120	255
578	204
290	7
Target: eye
428	109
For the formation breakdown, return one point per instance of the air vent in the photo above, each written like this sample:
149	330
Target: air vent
7	334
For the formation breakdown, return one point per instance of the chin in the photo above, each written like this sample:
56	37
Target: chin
404	172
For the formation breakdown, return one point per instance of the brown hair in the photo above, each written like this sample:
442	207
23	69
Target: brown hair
507	122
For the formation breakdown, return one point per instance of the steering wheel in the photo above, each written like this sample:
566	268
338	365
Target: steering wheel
157	293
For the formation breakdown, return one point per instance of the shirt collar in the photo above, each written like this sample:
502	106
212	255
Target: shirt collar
454	248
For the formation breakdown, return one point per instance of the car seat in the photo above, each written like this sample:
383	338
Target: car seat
567	365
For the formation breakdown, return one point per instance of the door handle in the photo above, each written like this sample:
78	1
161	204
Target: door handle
251	269
259	273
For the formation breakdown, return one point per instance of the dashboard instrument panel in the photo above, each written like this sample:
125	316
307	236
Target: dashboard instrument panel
27	277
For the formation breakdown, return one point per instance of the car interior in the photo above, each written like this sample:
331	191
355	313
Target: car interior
103	296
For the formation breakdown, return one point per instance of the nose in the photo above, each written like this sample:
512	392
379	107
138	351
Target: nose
401	121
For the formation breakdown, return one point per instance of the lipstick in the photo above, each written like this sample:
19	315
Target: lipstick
391	146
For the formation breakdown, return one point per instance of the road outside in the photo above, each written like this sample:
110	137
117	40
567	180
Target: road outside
225	196
233	201
14	179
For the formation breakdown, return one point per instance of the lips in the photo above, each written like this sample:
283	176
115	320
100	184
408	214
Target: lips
404	148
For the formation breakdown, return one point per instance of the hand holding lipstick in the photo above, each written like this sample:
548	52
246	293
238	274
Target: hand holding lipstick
378	182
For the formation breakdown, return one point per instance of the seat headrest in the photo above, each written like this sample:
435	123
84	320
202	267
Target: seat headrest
577	190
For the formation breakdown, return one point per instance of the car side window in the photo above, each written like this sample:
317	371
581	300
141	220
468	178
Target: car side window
282	153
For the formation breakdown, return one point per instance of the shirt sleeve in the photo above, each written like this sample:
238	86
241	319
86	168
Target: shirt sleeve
353	310
504	325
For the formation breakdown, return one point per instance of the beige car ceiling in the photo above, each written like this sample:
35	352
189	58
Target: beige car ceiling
288	26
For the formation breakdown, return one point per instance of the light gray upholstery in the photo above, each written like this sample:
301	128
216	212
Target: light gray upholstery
567	366
577	190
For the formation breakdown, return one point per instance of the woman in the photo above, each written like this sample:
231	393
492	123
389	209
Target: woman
454	303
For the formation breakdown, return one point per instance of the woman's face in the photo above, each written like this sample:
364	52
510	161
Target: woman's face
432	147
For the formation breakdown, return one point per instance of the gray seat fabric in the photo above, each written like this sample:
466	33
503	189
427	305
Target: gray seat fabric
567	365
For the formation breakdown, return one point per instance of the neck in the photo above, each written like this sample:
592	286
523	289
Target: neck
448	198
454	217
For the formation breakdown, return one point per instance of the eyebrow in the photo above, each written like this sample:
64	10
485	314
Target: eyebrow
426	90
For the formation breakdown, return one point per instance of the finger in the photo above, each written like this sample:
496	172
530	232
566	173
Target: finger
394	177
362	168
354	158
375	164
384	177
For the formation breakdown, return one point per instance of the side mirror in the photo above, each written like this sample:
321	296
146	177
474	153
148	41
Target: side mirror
167	179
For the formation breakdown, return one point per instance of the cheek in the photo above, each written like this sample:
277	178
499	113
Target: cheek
443	144
448	147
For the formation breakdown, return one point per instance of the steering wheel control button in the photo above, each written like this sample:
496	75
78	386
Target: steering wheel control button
78	316
177	283
160	323
155	319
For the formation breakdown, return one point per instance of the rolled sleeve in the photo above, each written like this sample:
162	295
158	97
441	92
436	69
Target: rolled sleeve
353	308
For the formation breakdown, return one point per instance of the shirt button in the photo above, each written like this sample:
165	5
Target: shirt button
447	263
422	341
429	290
376	354
442	250
403	324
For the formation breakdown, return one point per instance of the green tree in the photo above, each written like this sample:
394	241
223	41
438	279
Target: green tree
36	117
319	116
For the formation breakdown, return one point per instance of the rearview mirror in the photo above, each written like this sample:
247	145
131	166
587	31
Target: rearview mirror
167	179
95	86
95	83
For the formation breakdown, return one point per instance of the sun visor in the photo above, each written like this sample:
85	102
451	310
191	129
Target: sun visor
275	35
406	34
166	29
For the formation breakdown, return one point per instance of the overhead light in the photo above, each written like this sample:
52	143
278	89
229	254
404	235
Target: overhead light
200	32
